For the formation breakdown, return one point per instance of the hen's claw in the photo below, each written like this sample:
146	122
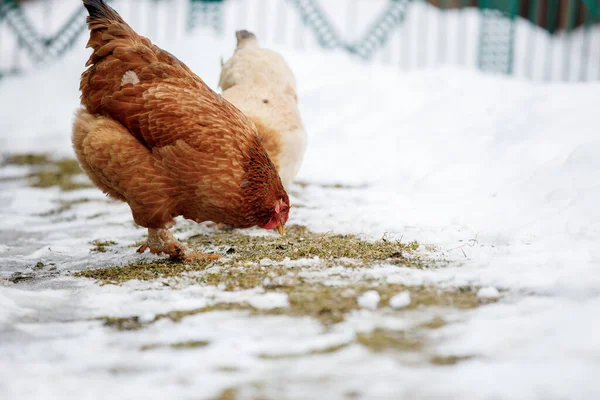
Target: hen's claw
143	248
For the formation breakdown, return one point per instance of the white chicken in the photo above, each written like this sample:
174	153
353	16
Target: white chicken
260	83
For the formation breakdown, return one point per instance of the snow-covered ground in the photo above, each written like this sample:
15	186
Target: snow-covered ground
501	175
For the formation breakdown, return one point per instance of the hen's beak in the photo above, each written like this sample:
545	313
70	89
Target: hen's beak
280	228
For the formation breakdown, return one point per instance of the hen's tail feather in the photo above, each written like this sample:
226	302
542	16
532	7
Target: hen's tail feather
99	10
108	30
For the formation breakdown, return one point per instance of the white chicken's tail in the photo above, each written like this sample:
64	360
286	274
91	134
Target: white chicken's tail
245	38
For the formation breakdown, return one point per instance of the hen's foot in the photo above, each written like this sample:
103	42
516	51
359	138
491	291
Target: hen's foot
162	241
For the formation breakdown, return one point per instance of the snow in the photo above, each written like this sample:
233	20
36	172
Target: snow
488	292
400	300
269	301
266	262
369	299
499	174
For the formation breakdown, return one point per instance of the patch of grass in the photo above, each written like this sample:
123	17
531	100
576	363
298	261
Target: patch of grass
331	304
247	277
226	394
18	277
327	304
190	344
68	166
463	298
245	252
27	159
101	246
448	360
97	215
124	323
435	323
177	316
299	242
134	323
326	350
60	173
384	339
48	172
142	270
121	370
244	267
228	369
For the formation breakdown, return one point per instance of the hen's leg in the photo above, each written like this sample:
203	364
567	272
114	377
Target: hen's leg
161	241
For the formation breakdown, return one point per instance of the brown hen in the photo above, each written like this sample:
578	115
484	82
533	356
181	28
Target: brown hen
153	134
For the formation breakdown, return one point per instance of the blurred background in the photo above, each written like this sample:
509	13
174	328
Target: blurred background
540	40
